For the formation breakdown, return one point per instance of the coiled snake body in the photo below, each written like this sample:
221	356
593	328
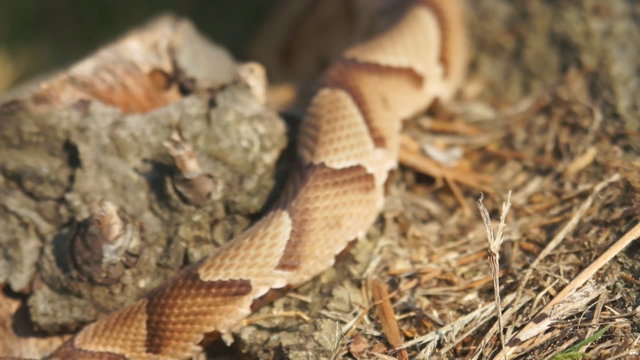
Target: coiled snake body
348	143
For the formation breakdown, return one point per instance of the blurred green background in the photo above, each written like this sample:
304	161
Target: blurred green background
37	36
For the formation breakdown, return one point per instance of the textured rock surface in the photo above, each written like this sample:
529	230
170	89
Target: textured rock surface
65	150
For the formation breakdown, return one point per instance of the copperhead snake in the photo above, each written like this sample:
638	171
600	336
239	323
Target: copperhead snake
348	143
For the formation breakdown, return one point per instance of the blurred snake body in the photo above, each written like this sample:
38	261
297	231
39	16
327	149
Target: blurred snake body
348	143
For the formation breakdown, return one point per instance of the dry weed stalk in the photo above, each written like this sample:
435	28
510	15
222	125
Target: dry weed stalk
495	241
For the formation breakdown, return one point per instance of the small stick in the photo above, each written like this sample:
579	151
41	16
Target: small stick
595	320
279	314
457	193
387	317
475	284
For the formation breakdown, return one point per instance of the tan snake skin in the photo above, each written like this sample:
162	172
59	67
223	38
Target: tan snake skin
347	145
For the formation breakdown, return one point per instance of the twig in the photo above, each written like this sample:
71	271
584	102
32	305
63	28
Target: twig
457	193
277	314
387	317
595	320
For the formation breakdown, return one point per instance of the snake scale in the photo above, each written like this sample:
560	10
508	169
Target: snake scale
348	143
